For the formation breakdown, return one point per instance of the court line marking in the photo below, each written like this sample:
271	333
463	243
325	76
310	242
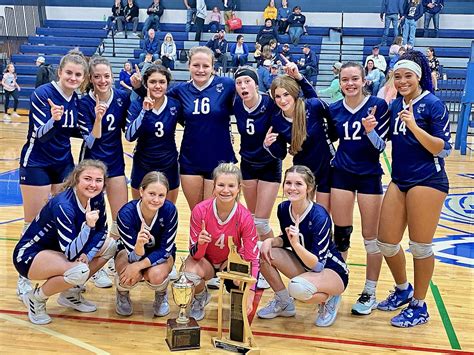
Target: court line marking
257	333
55	334
11	221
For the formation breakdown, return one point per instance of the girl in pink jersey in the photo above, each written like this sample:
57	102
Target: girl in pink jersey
212	222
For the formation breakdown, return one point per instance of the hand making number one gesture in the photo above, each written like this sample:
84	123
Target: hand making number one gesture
204	236
56	110
370	122
100	108
293	232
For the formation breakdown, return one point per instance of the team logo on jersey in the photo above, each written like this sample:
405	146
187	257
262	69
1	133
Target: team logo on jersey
263	109
220	87
173	110
120	102
421	107
455	250
459	208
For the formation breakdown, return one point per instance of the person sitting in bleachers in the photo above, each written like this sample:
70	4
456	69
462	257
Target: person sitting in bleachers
397	43
168	51
334	90
282	17
117	11
373	78
150	45
215	19
154	12
130	15
270	12
308	65
377	58
124	78
219	47
296	25
239	52
229	10
269	51
266	33
394	59
285	52
264	79
274	72
258	54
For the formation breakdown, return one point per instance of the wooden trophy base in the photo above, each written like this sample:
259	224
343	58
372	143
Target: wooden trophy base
183	336
236	347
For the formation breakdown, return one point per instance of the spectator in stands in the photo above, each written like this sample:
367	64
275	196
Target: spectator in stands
201	13
150	45
42	75
190	13
154	12
377	58
168	51
215	20
117	11
11	88
143	66
229	9
434	66
125	75
296	25
308	65
264	79
432	8
373	77
219	47
412	12
269	51
239	52
285	52
274	72
394	59
282	17
334	90
258	54
130	14
397	43
270	12
266	33
391	12
388	92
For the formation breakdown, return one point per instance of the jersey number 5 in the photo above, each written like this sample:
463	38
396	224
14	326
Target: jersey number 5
203	107
250	127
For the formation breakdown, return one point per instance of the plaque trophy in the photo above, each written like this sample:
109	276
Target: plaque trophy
183	333
240	339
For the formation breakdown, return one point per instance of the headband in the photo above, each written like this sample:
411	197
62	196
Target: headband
408	64
246	72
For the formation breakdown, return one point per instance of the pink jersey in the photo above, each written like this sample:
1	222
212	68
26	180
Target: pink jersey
239	225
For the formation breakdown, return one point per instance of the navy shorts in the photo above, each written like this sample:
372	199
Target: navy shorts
115	170
323	180
190	170
139	172
45	175
270	172
27	256
438	181
364	184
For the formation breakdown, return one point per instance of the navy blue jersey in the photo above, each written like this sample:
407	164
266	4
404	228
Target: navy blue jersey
108	148
48	141
317	150
61	226
206	111
253	125
315	230
154	131
355	153
411	162
163	229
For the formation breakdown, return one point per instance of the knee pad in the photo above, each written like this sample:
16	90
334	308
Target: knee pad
388	249
159	288
77	275
195	278
421	250
262	225
301	289
110	250
371	246
342	237
123	288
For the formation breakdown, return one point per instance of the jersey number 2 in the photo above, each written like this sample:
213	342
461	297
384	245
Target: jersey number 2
202	108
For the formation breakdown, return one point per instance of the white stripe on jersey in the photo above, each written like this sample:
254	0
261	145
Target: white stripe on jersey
41	102
65	215
30	148
63	237
62	225
436	162
324	225
41	123
26	246
37	108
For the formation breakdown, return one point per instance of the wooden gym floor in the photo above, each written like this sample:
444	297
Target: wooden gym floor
450	298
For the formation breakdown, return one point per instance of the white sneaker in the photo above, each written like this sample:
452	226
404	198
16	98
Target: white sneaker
161	306
198	304
173	274
123	303
23	286
111	268
36	309
73	298
15	115
101	279
262	283
7	118
213	283
328	311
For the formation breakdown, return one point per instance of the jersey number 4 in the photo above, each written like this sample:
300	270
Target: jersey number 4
220	242
202	106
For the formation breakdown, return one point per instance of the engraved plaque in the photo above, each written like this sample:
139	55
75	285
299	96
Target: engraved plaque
236	325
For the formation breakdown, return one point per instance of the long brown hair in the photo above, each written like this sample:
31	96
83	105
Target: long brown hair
73	177
298	131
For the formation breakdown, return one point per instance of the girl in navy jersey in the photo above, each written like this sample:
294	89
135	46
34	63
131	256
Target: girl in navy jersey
152	122
302	123
46	157
419	130
66	243
304	252
147	229
357	170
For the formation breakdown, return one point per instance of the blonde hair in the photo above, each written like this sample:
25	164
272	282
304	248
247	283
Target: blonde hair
228	169
76	57
201	49
154	177
298	131
308	178
73	178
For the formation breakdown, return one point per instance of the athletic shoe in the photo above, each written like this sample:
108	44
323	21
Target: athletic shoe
23	286
123	303
276	308
328	311
15	115
365	304
36	308
72	298
396	299
161	306
7	118
81	288
110	268
411	316
101	279
262	283
198	304
173	274
213	283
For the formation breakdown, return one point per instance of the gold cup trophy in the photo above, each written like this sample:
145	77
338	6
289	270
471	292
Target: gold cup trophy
183	333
